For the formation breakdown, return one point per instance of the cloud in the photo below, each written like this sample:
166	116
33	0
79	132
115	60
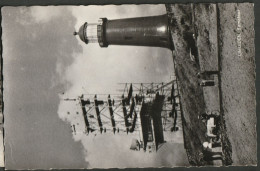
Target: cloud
93	13
45	14
97	71
37	14
141	10
35	55
45	38
112	151
108	150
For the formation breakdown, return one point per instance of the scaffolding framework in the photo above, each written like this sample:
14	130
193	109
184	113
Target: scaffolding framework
147	109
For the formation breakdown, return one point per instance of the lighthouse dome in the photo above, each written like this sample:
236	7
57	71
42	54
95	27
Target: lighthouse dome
88	33
82	33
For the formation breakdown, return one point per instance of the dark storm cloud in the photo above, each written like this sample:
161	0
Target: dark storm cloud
35	53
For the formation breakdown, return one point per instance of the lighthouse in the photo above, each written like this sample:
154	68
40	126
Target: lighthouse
142	31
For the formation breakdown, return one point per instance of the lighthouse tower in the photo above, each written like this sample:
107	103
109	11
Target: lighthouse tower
143	31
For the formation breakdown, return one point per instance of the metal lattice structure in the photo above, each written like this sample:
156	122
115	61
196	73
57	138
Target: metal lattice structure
147	109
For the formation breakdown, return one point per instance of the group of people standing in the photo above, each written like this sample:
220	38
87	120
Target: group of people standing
211	151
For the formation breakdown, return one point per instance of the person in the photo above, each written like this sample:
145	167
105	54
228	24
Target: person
206	74
207	78
208	154
210	127
212	122
207	83
211	145
135	145
206	116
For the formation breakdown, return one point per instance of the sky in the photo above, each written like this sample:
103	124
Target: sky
42	60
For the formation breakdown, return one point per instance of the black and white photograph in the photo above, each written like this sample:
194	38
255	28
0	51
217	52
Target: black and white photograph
128	86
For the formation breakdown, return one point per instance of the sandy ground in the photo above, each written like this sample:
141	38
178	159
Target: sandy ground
238	80
192	99
214	29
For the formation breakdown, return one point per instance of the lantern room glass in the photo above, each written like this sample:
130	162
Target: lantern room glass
91	33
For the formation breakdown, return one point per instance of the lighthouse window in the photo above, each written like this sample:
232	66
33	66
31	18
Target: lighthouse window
128	37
